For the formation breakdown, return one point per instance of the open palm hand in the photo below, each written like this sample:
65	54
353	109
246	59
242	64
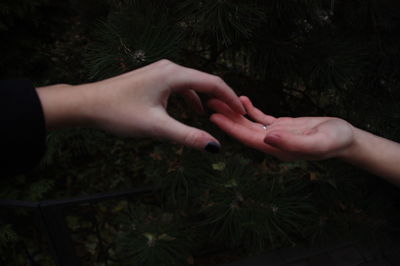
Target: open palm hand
311	138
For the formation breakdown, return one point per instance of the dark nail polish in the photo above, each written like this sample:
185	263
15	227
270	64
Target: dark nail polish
213	147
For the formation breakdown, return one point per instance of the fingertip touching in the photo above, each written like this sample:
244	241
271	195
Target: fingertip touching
219	106
209	84
233	101
214	118
255	113
248	105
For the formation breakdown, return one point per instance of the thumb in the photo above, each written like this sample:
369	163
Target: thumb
176	131
292	142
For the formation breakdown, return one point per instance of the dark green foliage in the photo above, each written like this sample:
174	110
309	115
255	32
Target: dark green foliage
7	235
117	50
238	203
257	210
153	236
221	22
181	177
11	11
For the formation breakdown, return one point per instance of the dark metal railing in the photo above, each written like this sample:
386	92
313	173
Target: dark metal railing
51	217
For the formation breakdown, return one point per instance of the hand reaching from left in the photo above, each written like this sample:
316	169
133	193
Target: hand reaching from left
311	138
134	104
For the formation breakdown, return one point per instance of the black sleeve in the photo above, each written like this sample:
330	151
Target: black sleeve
22	132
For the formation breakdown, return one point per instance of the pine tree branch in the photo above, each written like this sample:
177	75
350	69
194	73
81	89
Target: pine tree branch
308	99
214	56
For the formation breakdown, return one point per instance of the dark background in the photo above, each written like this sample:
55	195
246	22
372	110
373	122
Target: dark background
292	58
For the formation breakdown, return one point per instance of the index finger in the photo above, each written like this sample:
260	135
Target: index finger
248	136
206	83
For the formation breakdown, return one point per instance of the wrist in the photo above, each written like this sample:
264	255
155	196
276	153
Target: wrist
354	146
66	105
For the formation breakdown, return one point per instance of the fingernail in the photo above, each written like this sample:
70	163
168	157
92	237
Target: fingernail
244	111
213	147
271	139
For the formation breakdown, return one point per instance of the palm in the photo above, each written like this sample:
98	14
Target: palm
286	138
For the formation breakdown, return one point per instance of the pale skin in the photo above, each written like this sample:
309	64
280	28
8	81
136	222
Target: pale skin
309	138
134	104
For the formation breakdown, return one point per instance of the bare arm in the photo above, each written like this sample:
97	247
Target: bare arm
310	138
134	104
375	154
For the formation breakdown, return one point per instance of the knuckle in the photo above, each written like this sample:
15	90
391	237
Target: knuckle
165	68
164	62
165	65
217	79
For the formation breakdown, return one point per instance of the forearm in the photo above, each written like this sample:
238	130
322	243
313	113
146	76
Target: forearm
375	154
65	105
